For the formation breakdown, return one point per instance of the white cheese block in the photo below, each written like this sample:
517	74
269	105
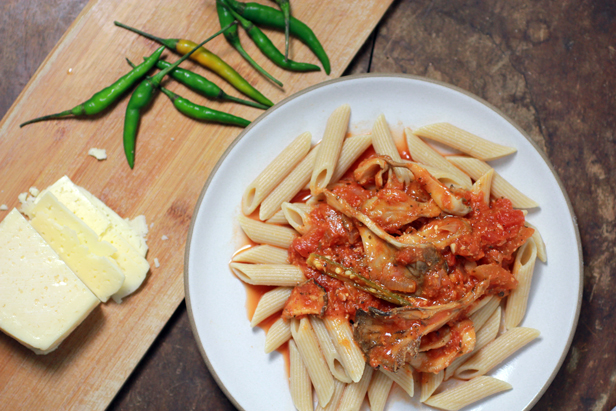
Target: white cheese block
41	300
78	246
111	228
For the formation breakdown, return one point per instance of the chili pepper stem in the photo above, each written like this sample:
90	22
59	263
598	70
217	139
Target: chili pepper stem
253	63
285	7
169	43
245	102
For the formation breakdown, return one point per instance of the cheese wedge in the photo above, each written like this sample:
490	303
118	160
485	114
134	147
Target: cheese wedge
120	224
41	300
111	228
77	245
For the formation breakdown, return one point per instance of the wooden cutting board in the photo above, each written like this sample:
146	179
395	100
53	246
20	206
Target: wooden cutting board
173	159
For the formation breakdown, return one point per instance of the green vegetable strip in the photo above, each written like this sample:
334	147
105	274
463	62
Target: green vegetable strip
342	273
225	17
198	112
107	96
270	17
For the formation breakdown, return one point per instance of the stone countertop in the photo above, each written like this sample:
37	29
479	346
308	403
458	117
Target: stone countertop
549	65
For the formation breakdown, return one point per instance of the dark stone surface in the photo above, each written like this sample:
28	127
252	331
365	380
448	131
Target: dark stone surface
549	65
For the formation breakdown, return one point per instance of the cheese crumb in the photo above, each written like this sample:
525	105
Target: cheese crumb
34	191
98	153
3	207
164	237
22	197
156	263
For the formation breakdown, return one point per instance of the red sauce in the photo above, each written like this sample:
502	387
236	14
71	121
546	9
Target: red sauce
485	251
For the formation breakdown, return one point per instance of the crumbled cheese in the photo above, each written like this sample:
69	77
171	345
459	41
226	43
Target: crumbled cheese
164	237
156	263
3	207
34	191
22	197
98	153
139	225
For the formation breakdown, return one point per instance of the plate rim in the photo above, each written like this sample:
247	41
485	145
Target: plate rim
380	75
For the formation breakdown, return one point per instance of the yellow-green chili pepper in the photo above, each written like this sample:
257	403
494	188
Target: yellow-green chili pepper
209	60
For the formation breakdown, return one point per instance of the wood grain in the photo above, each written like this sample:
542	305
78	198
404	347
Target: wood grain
174	158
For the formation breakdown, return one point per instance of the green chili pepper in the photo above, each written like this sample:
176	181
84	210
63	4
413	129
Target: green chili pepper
201	85
198	112
142	96
285	7
270	17
107	96
350	276
225	17
209	60
267	47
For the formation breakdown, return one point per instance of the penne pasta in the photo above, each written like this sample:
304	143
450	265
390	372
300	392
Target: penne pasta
482	315
426	155
289	187
299	380
383	143
483	337
262	254
296	215
480	304
429	384
352	149
464	141
378	391
278	334
484	185
329	149
275	172
495	352
354	394
308	346
277	218
333	403
523	268
270	303
350	354
281	275
500	187
264	233
541	251
467	393
332	357
404	378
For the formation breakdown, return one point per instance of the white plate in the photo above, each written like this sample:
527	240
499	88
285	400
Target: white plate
216	299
